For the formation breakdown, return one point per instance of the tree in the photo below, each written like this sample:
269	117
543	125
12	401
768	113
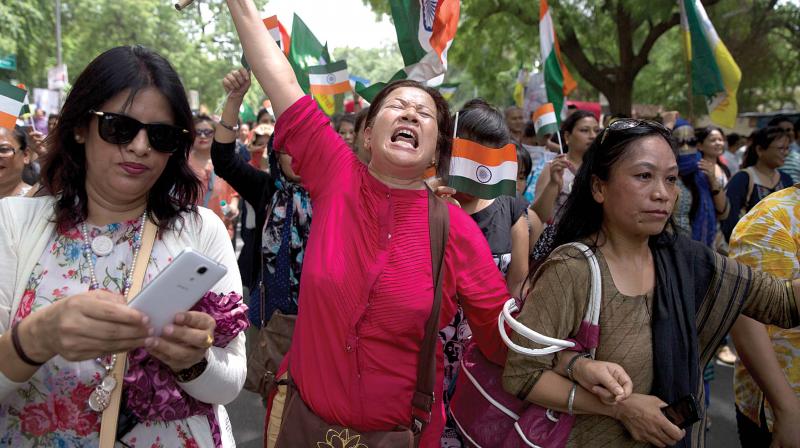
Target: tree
201	42
608	44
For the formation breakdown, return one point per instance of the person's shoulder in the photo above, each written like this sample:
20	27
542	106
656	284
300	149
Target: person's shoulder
25	207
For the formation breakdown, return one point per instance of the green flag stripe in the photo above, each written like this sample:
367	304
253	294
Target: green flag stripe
333	67
469	186
706	77
554	83
405	14
305	50
368	93
551	128
12	91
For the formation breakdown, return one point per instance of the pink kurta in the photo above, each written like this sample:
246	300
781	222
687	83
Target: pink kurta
367	285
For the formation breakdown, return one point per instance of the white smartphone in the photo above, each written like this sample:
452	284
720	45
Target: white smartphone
177	288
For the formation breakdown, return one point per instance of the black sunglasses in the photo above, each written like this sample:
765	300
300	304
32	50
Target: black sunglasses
630	123
121	129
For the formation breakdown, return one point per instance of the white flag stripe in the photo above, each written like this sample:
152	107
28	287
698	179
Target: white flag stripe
461	166
9	105
325	79
275	33
546	119
546	33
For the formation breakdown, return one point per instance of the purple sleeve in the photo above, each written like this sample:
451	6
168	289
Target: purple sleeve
319	156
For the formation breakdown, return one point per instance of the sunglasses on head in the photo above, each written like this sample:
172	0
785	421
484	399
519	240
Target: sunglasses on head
630	123
119	129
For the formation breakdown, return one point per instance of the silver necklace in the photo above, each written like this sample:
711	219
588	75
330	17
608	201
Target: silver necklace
102	245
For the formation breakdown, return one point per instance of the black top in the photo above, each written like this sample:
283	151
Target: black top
253	185
496	221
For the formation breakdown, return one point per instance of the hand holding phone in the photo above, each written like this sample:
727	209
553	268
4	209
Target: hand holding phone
177	288
682	413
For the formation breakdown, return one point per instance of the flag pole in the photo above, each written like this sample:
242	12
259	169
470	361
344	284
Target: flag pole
560	146
689	94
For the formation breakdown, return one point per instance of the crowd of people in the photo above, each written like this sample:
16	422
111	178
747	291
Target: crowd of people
695	232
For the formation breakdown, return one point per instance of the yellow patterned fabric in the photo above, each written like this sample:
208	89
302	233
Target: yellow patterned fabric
768	238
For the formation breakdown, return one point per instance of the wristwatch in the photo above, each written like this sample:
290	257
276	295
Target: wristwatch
191	373
233	128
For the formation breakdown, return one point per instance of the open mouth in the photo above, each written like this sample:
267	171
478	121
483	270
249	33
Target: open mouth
407	135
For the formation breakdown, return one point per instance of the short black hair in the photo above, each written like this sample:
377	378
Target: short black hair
778	119
524	162
762	138
361	118
345	118
483	123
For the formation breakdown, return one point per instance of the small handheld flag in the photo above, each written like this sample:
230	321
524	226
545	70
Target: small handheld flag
11	102
544	119
329	79
482	171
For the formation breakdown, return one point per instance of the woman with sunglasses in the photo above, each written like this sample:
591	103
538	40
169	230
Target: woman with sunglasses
217	194
701	202
667	301
367	285
117	163
14	156
759	176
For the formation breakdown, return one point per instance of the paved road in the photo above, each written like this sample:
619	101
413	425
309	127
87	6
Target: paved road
247	412
247	415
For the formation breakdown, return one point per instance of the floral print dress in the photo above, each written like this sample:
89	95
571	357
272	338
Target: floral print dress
51	409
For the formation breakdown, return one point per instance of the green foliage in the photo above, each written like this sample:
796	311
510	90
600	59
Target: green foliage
496	37
202	47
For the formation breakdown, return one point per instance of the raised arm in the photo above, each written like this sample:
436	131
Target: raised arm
267	61
249	182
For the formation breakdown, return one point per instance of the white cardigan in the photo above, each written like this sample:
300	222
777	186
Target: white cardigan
26	228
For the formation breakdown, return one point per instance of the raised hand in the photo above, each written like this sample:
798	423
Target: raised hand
236	83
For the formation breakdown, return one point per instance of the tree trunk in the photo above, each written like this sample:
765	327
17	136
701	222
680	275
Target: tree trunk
620	96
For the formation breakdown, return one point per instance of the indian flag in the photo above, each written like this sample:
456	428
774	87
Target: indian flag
544	120
11	101
278	32
425	31
482	171
714	72
328	79
557	80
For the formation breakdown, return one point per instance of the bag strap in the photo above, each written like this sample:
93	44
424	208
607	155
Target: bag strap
422	403
108	425
588	333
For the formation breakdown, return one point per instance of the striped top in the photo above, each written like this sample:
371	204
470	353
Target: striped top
367	285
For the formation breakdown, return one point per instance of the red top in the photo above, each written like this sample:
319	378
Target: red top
367	285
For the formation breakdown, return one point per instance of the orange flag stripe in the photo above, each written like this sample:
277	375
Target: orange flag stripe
483	154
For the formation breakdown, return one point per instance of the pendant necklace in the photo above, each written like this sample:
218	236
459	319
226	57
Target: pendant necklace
101	246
